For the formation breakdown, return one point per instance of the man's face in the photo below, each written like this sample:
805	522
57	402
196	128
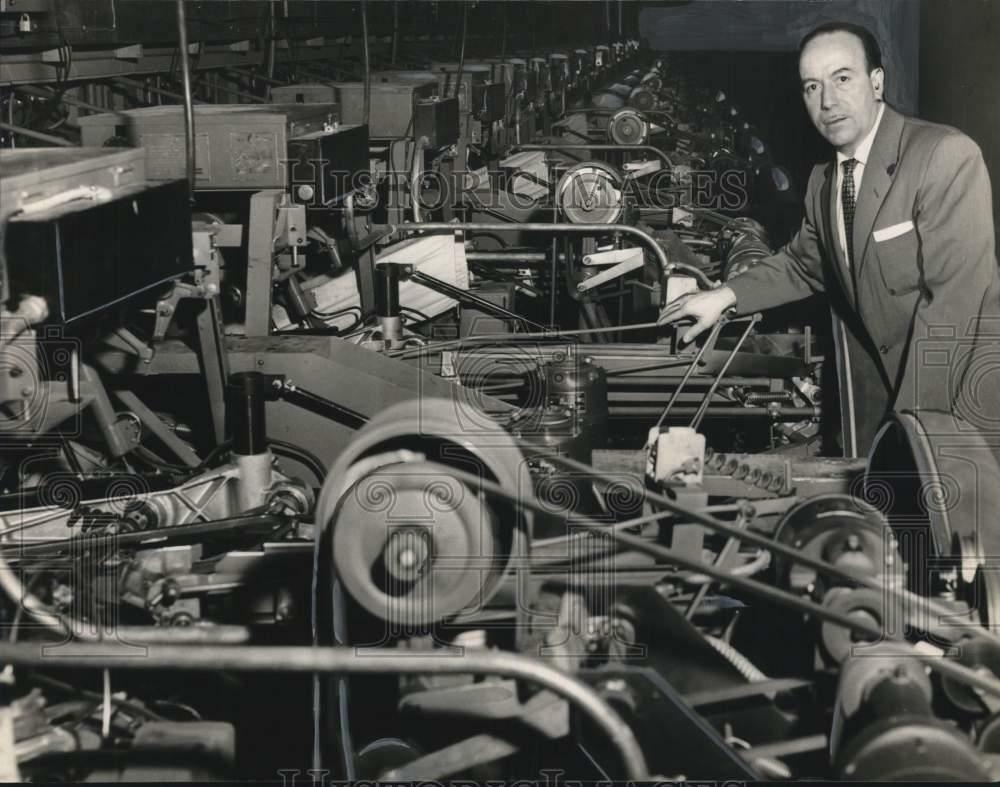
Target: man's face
840	95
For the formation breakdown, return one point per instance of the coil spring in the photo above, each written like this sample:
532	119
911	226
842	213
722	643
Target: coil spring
757	398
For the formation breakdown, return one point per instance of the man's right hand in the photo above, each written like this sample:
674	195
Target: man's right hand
705	307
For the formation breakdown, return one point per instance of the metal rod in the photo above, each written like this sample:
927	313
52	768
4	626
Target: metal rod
159	91
797	556
27	132
710	342
233	92
72	101
395	30
556	229
597	146
506	338
553	280
352	661
464	296
778	414
308	400
851	622
696	421
506	256
266	79
368	64
189	148
461	55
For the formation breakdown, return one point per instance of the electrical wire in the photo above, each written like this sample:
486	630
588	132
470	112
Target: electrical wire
301	455
421	317
131	707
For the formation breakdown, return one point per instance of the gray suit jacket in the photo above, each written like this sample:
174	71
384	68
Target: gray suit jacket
917	321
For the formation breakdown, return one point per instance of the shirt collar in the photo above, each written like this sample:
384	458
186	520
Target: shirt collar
865	148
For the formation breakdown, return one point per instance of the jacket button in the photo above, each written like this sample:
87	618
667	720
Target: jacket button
883	349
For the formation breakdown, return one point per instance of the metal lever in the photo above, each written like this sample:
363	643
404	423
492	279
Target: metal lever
709	342
696	421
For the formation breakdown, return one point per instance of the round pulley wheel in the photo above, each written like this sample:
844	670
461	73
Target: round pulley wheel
866	605
838	529
591	193
978	654
936	474
642	97
412	543
628	127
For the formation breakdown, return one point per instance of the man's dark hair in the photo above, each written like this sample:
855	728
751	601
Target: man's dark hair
873	52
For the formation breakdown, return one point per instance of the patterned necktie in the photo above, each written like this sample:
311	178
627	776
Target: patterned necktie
847	201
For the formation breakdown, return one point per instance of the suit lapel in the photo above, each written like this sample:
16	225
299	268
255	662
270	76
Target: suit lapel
829	207
876	181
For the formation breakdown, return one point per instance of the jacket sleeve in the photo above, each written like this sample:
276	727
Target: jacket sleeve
791	274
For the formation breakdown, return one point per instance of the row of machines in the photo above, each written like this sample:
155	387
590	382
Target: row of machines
357	450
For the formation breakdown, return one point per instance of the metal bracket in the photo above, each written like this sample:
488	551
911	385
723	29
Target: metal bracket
613	272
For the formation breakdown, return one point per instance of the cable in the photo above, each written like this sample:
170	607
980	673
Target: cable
301	455
421	317
131	707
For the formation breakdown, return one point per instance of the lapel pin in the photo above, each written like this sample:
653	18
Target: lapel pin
891	169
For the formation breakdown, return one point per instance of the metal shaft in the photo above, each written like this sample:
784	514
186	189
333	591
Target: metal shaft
352	661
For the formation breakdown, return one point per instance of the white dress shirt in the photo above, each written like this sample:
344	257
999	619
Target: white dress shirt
861	156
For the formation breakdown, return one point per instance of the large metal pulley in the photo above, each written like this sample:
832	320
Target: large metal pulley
936	475
413	542
838	529
591	193
628	127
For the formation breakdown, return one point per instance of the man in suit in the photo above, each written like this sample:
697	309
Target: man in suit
898	233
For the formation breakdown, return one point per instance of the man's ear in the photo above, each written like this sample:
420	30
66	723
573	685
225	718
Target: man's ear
877	76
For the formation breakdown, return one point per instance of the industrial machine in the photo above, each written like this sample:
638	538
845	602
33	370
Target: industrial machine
331	392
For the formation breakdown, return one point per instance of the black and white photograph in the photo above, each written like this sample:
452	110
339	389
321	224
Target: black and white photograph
505	392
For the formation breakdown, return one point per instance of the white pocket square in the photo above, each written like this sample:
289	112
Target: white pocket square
888	233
